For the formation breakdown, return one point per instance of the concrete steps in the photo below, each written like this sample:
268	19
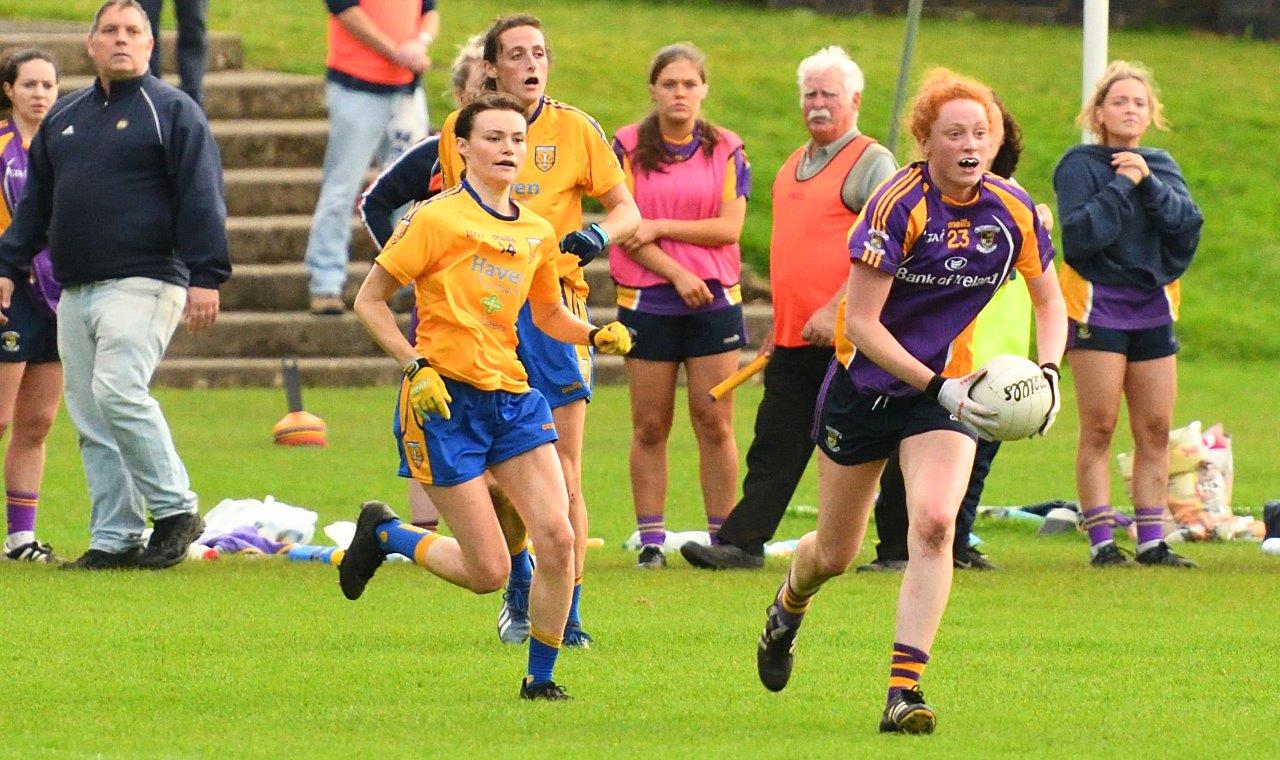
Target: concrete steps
262	143
67	46
283	240
239	94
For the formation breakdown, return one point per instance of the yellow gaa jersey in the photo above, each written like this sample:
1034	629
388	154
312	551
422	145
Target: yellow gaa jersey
569	156
472	270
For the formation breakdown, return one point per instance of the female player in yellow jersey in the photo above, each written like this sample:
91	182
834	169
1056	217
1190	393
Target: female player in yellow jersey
569	157
474	257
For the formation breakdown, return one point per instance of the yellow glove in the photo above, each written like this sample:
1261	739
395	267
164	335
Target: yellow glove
614	338
427	392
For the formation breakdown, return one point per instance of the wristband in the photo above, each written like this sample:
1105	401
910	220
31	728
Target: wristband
591	336
934	387
412	366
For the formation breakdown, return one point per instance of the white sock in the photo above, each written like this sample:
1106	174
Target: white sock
1149	545
21	538
1093	550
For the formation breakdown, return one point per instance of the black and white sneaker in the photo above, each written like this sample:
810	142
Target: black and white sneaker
651	557
32	551
907	713
969	558
1161	554
1110	555
774	651
170	539
548	691
364	556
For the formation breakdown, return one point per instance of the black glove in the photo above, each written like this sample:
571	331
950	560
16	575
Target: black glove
586	244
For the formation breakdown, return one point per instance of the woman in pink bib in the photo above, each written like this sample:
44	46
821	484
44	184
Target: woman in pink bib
678	287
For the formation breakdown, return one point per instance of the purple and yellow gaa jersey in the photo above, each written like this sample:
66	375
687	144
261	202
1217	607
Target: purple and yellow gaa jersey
472	270
569	156
947	260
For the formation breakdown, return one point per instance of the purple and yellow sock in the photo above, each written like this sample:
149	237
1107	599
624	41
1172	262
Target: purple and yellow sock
1150	527
1098	522
521	565
396	537
652	529
713	529
906	669
543	650
791	605
575	618
21	509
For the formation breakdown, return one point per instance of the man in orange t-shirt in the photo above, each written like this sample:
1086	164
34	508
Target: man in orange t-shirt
377	51
817	195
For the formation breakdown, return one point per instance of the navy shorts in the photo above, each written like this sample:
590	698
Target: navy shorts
484	428
561	372
855	428
31	334
1136	345
676	337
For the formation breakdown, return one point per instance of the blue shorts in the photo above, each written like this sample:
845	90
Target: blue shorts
485	428
1136	345
676	337
854	428
31	334
561	372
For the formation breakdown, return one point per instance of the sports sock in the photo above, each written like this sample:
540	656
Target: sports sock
521	567
791	605
431	525
713	529
396	537
906	669
574	617
652	529
21	509
543	649
1150	527
1098	522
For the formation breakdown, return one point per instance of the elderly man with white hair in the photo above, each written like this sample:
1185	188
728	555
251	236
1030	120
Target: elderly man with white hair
817	195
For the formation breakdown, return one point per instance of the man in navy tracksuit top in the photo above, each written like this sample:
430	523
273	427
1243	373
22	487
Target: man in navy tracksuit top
125	187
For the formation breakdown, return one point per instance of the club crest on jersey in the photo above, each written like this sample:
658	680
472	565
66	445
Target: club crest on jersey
544	157
9	341
122	124
491	304
986	237
414	450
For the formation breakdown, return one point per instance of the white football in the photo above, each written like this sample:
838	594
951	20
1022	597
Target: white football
1016	388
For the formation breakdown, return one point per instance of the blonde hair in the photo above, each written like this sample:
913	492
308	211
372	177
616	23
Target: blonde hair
1118	71
941	86
469	55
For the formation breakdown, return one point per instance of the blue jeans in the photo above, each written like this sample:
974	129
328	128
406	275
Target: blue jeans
358	132
112	335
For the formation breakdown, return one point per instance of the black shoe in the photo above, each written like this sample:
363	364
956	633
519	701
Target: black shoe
97	559
1271	518
651	557
548	690
907	713
1161	554
364	556
170	539
32	551
774	651
970	558
720	557
879	565
1111	555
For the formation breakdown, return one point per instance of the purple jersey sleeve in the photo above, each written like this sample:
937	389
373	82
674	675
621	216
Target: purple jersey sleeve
742	172
878	236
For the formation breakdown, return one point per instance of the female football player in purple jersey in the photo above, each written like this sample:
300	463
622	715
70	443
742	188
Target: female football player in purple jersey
30	373
930	249
1129	231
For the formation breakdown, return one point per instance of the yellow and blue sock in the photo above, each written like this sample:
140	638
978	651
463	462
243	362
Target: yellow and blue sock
906	669
396	537
521	565
543	650
574	617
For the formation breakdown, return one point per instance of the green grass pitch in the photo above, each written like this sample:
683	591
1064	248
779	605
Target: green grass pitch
258	658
